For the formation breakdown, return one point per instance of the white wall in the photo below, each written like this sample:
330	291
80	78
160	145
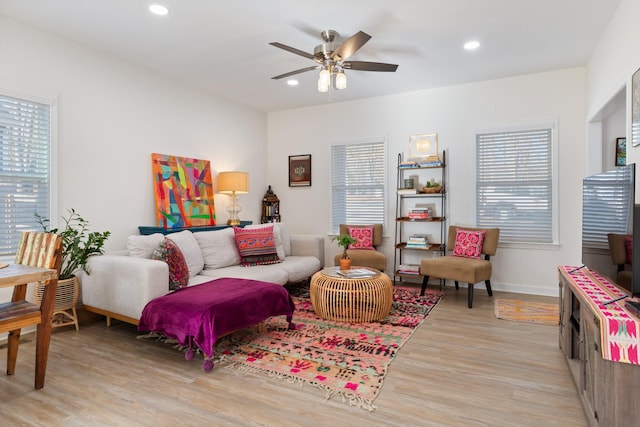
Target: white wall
112	115
454	113
612	63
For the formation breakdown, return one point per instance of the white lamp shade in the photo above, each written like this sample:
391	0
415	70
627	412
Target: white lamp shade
230	182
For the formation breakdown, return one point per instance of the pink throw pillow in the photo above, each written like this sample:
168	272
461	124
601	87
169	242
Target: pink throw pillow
468	243
257	246
170	253
363	236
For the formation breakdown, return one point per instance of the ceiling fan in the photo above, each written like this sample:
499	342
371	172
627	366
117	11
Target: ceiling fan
332	56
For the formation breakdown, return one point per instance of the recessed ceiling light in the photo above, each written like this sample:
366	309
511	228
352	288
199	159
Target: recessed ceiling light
158	9
292	82
471	45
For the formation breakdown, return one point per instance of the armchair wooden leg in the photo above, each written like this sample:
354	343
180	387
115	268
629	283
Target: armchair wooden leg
13	341
470	294
457	285
488	284
425	280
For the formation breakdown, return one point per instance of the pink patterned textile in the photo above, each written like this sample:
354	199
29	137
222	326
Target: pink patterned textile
363	236
205	312
620	330
257	246
468	243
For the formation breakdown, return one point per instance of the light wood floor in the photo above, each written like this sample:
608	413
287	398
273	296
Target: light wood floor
461	368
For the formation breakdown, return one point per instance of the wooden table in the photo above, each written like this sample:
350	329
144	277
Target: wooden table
351	299
18	276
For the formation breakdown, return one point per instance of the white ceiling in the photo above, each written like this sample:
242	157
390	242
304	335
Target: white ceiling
222	46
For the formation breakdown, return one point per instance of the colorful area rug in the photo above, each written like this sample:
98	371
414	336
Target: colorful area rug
525	311
344	359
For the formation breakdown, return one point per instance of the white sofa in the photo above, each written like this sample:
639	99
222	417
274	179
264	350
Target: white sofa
122	283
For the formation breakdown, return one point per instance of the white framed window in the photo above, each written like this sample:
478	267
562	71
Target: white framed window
515	188
358	183
27	128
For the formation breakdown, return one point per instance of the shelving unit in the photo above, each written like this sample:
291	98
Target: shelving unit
409	208
270	207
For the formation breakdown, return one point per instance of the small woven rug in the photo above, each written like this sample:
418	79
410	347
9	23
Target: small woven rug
526	311
349	360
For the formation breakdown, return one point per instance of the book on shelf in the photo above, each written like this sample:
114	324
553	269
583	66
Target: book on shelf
417	241
408	165
409	269
407	191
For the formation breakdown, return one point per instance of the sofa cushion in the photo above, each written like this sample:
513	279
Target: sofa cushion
468	243
143	246
218	248
257	246
190	249
266	273
285	236
170	253
300	267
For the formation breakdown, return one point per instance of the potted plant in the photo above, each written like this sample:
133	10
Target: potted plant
344	240
78	244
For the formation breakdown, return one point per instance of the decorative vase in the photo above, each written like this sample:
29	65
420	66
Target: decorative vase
345	263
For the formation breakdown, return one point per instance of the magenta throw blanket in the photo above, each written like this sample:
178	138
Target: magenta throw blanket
209	310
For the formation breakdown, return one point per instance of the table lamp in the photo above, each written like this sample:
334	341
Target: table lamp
233	183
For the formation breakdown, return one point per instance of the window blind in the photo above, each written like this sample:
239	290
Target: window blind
24	168
357	184
607	195
514	188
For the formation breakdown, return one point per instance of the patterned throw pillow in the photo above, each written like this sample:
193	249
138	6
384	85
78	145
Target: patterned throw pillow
170	253
257	246
628	246
468	243
363	236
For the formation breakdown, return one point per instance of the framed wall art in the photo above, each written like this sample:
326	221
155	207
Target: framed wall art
300	171
183	191
621	151
635	108
423	147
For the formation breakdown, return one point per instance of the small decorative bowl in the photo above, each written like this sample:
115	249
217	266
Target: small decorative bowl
432	189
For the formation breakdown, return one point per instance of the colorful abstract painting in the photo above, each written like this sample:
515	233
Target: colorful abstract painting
183	191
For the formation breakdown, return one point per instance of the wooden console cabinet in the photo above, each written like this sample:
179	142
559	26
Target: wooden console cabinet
610	391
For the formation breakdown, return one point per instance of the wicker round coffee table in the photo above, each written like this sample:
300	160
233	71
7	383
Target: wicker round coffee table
352	298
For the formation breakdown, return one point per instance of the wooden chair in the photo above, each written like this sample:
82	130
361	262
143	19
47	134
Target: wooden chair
362	257
460	269
38	259
618	251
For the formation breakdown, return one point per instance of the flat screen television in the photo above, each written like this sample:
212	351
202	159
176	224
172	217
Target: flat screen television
608	207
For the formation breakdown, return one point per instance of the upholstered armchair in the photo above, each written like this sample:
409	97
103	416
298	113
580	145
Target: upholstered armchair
365	257
469	261
620	250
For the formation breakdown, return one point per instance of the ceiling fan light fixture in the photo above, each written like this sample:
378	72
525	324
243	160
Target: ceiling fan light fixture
322	87
325	77
341	80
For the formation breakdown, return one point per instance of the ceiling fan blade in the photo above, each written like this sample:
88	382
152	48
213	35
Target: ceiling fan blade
292	50
293	73
350	46
369	66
